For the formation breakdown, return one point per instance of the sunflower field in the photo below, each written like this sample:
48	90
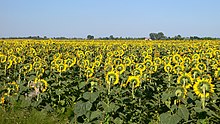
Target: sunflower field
113	81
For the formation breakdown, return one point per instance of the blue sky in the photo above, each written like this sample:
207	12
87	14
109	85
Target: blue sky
126	18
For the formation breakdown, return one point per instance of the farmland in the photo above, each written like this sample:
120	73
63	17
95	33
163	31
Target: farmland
112	81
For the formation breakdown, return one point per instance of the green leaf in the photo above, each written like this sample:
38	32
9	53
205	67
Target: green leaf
91	96
95	114
82	84
183	112
118	121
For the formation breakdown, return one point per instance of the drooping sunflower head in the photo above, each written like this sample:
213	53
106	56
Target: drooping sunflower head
127	61
112	78
61	67
178	69
201	67
177	58
185	80
168	68
195	72
203	88
89	72
157	61
140	66
196	56
133	80
70	62
180	92
153	69
136	72
3	58
120	68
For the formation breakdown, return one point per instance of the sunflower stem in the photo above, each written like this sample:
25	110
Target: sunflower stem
133	90
203	97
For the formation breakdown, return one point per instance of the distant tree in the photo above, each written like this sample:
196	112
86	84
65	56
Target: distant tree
160	36
90	37
111	37
153	36
157	36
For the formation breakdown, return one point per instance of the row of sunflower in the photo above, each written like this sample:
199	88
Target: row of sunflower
179	75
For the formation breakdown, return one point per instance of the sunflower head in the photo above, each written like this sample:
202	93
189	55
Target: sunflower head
89	72
168	68
61	67
112	78
120	68
133	79
185	80
180	92
203	88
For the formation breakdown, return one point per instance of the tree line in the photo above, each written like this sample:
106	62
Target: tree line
152	36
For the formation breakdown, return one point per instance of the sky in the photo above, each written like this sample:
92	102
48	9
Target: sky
102	18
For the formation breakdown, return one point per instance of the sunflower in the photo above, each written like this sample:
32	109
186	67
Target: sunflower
89	72
120	68
185	80
217	73
136	72
153	69
61	67
177	58
108	67
157	61
168	68
195	72
117	61
70	62
9	64
127	61
201	67
203	88
196	57
133	79
2	100
3	58
180	92
37	65
148	63
178	69
112	78
141	66
40	83
27	68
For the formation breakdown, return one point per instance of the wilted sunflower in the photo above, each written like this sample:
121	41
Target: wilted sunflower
203	88
112	78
